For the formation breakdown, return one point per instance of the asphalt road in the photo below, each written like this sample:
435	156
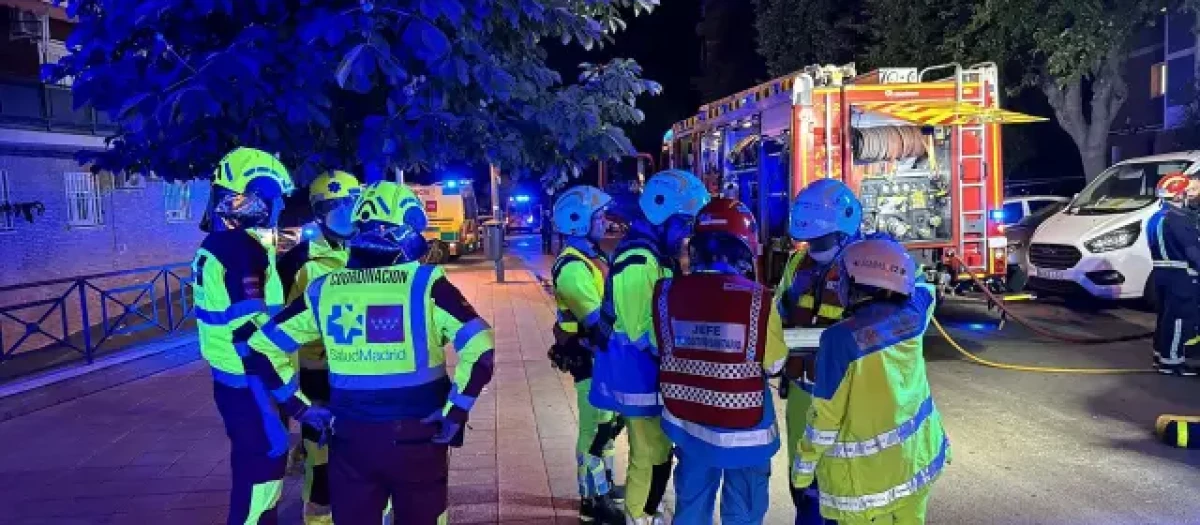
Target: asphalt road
1038	448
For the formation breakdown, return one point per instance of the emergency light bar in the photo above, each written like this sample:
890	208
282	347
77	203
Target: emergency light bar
997	215
802	340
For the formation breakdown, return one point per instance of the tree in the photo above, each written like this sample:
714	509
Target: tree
339	83
793	34
730	63
1072	50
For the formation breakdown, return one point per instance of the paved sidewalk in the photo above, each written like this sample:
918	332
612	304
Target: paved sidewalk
154	451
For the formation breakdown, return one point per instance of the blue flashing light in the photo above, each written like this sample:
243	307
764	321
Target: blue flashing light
522	198
996	215
309	232
529	220
451	184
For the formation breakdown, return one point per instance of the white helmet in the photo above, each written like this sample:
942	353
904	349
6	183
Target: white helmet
882	263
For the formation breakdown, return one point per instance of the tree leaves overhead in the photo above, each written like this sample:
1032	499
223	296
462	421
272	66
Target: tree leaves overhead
343	83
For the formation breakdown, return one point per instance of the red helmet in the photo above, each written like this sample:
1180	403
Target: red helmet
730	217
1172	186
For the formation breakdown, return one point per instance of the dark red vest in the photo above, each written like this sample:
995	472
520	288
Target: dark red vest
712	332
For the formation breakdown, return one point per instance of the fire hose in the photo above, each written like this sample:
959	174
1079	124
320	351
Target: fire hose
1040	331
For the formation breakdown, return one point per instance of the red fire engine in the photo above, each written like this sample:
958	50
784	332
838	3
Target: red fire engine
922	153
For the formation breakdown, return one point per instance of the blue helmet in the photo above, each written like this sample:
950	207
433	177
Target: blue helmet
574	209
823	207
672	192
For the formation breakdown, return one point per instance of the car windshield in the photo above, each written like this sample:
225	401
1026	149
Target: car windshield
1124	188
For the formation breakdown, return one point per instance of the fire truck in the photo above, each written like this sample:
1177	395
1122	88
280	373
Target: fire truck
920	147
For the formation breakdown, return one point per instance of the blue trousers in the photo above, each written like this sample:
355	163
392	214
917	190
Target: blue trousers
744	492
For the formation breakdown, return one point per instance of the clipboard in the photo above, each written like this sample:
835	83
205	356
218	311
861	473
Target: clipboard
802	340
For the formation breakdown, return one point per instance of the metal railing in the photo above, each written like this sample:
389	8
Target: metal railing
75	317
30	104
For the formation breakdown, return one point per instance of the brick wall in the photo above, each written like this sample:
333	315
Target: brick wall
135	232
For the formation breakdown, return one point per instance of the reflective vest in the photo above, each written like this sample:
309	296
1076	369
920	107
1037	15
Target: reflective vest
385	352
818	306
710	371
319	258
625	376
596	267
218	315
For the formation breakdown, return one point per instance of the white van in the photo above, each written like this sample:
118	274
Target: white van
1097	244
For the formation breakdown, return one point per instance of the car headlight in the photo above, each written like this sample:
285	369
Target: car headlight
1122	237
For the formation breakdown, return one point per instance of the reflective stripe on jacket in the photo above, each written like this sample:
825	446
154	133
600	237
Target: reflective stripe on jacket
875	436
802	279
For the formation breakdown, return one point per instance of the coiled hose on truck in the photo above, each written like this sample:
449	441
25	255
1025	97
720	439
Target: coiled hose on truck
1043	332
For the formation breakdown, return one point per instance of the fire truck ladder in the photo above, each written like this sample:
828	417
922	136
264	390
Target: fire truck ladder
972	220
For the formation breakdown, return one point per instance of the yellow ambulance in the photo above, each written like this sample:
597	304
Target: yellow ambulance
453	228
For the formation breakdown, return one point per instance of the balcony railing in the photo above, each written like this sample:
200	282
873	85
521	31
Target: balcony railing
29	104
76	319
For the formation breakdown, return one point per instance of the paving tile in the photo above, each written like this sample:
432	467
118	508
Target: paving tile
152	449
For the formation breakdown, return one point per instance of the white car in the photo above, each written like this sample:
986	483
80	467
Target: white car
1096	245
1022	216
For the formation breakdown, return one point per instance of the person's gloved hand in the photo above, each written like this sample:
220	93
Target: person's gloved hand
318	418
449	424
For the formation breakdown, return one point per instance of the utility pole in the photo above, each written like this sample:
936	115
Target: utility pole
497	222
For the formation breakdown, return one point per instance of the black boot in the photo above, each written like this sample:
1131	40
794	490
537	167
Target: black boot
601	510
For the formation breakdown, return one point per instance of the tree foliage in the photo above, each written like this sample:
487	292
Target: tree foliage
340	83
793	34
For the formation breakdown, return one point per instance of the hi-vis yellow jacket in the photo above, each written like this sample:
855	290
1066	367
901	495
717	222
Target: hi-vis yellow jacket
385	330
874	437
299	267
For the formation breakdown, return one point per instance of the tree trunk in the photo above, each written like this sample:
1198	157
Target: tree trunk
1089	134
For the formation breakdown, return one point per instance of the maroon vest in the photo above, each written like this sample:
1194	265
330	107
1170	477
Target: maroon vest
712	331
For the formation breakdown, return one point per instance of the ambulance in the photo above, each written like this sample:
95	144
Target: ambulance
453	228
920	147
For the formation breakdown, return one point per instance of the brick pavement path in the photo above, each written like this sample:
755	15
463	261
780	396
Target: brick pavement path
154	451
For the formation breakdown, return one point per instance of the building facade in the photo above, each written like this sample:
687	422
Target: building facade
57	219
1160	69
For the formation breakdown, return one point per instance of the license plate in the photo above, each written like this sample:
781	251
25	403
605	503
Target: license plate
1051	274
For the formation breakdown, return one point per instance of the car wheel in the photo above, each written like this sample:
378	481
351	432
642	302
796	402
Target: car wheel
1150	296
438	253
1016	278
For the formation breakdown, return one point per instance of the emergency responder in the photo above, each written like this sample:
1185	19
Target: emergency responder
236	286
332	196
625	376
825	216
579	273
718	335
1174	241
384	321
874	441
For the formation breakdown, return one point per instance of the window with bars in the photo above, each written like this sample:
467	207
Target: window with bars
84	204
177	199
7	218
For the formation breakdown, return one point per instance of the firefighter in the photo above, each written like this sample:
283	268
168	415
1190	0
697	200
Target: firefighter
332	196
1174	242
718	335
384	321
578	274
825	216
236	286
625	374
875	441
